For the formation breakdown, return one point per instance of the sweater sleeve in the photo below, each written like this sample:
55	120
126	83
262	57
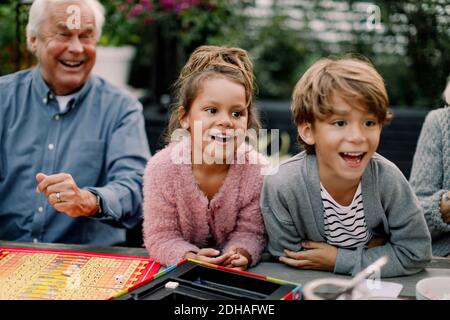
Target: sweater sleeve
126	156
249	233
426	174
162	233
280	227
408	246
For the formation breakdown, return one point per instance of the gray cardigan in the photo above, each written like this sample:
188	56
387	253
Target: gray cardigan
430	175
293	211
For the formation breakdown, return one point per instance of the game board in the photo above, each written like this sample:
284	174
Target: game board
195	280
67	275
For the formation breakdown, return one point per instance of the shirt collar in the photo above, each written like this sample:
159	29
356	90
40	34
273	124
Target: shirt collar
44	92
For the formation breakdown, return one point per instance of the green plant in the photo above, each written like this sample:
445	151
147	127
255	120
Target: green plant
14	56
188	21
169	30
426	27
7	40
278	54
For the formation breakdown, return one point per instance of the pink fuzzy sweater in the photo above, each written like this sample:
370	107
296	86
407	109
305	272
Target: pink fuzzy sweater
178	215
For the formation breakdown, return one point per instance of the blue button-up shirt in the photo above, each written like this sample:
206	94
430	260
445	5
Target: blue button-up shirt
99	139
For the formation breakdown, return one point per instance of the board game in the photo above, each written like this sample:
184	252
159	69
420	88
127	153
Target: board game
195	280
34	274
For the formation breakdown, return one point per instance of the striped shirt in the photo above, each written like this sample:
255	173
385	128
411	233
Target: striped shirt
345	226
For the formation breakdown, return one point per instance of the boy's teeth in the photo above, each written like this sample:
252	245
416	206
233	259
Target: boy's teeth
353	154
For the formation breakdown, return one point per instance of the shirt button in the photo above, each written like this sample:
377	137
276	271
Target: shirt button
35	240
44	100
50	96
57	117
40	209
51	146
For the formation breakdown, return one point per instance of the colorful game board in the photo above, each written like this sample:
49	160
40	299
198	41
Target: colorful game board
67	275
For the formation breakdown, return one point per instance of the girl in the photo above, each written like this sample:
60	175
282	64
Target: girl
201	192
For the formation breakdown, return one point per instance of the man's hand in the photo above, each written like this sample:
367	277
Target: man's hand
208	255
239	259
318	255
64	195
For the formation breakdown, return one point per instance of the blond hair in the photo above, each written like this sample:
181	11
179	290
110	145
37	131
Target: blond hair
351	79
207	62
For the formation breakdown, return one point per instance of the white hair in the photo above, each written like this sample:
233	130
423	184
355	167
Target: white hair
38	14
446	94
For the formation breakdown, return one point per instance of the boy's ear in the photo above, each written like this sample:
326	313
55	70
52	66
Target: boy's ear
183	117
305	132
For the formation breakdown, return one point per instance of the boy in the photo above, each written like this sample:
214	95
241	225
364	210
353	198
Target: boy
338	205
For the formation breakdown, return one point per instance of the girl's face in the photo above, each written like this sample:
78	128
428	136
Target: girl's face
217	120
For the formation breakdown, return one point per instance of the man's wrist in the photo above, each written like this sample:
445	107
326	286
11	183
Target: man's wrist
96	205
99	204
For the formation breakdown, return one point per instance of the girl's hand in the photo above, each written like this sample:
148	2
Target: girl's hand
239	259
208	255
318	256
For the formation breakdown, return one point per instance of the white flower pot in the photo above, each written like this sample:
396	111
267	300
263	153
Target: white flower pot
114	63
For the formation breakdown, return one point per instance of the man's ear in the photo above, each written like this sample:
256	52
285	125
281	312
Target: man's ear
183	117
305	131
32	44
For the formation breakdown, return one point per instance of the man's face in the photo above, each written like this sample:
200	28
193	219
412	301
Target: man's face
65	50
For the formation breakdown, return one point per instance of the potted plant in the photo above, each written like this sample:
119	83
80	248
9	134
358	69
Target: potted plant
165	32
117	45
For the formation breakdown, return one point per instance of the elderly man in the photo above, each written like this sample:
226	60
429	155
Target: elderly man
72	147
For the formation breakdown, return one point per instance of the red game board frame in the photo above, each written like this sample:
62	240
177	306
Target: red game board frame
144	268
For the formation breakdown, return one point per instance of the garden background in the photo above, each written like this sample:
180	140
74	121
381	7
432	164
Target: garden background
407	41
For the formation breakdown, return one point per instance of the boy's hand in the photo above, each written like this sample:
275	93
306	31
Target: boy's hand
239	259
208	255
318	255
376	242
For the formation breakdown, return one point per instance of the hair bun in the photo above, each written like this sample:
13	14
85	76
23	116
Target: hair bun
210	57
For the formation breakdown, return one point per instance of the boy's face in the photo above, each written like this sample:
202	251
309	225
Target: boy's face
344	142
